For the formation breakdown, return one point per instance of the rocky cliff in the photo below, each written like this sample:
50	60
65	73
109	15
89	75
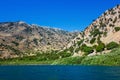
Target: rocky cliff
101	32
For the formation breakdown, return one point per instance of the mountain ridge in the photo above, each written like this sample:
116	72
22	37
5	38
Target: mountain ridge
102	31
94	40
21	36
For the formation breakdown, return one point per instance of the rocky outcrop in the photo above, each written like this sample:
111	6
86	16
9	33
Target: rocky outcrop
106	24
102	31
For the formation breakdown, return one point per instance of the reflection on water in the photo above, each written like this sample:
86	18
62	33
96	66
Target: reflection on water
59	73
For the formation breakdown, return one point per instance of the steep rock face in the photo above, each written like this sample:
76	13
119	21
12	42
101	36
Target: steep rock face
106	24
103	30
19	37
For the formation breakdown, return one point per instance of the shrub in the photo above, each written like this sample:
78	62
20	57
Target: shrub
94	46
16	43
35	40
79	42
77	49
115	20
111	45
82	47
92	40
102	25
64	54
117	29
71	49
98	40
28	30
105	34
68	61
19	37
47	56
100	47
48	43
86	49
95	32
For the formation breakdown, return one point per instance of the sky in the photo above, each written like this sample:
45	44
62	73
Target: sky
70	15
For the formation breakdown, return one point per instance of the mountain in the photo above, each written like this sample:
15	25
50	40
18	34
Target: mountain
18	37
104	32
100	37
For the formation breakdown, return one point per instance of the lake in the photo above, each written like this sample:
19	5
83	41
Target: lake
45	72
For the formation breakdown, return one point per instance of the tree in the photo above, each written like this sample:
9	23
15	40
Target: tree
35	40
100	47
111	45
86	49
79	42
117	29
96	32
16	43
92	40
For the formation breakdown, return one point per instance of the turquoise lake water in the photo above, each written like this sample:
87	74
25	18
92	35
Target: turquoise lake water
45	72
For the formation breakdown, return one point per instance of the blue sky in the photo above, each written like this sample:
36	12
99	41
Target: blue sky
65	14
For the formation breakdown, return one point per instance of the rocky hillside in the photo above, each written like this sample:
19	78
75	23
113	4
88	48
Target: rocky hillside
17	37
98	38
99	35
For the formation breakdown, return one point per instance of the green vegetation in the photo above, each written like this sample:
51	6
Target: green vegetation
29	30
111	45
77	50
109	59
96	32
35	40
105	34
92	40
48	43
16	51
16	43
112	58
64	57
71	49
44	58
86	49
102	24
115	20
23	61
68	61
79	42
64	54
39	58
19	37
98	39
100	47
117	29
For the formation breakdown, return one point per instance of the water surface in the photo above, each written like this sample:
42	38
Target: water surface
59	73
